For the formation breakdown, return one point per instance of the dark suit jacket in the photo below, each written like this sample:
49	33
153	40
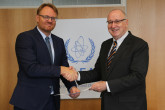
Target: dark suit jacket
126	76
36	73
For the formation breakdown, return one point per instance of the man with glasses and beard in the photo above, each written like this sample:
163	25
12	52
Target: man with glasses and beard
42	63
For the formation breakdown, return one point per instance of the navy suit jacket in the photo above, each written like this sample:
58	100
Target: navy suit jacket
36	73
126	76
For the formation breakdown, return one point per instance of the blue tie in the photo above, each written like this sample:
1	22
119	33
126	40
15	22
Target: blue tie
113	51
49	48
51	56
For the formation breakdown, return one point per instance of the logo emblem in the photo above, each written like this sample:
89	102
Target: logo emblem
79	50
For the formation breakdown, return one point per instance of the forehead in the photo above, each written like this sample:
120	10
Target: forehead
116	15
47	11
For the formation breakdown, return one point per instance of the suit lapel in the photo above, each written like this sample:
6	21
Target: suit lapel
104	56
118	54
42	43
106	51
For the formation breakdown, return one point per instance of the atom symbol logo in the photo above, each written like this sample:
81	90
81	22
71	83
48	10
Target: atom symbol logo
79	47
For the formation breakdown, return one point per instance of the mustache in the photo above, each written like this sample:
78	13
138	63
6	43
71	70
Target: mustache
49	22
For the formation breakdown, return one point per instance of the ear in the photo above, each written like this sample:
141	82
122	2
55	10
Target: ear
37	18
127	22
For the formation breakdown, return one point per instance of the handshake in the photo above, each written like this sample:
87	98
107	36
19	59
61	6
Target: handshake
69	73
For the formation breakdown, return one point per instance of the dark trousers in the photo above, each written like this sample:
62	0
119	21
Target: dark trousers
50	105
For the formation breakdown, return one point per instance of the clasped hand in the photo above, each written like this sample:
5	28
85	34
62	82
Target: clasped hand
69	73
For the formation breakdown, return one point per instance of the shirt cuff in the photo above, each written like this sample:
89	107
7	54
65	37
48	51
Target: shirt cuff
78	79
108	89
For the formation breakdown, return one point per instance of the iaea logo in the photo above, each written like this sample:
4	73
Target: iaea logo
80	50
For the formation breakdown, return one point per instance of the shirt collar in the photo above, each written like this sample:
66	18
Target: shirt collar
42	34
119	41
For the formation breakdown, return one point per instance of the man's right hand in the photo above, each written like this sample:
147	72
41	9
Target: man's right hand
69	73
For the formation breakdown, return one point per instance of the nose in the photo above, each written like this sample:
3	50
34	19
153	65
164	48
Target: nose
113	24
50	20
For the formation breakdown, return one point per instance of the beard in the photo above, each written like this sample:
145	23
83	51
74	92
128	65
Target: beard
46	28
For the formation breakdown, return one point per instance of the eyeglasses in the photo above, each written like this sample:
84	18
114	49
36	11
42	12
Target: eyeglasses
48	17
116	21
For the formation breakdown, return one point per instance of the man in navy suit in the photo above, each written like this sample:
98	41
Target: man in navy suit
41	65
120	69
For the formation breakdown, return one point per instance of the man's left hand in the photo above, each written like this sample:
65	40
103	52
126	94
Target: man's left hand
74	92
99	86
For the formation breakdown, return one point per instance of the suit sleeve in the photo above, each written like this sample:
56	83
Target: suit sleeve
89	76
67	83
137	70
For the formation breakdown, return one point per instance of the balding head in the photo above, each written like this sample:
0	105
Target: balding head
117	23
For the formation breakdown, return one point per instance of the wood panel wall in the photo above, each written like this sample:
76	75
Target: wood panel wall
12	22
146	20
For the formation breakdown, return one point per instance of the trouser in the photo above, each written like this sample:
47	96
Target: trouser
50	105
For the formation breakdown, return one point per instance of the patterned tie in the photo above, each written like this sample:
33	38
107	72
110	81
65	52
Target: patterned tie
113	51
49	48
